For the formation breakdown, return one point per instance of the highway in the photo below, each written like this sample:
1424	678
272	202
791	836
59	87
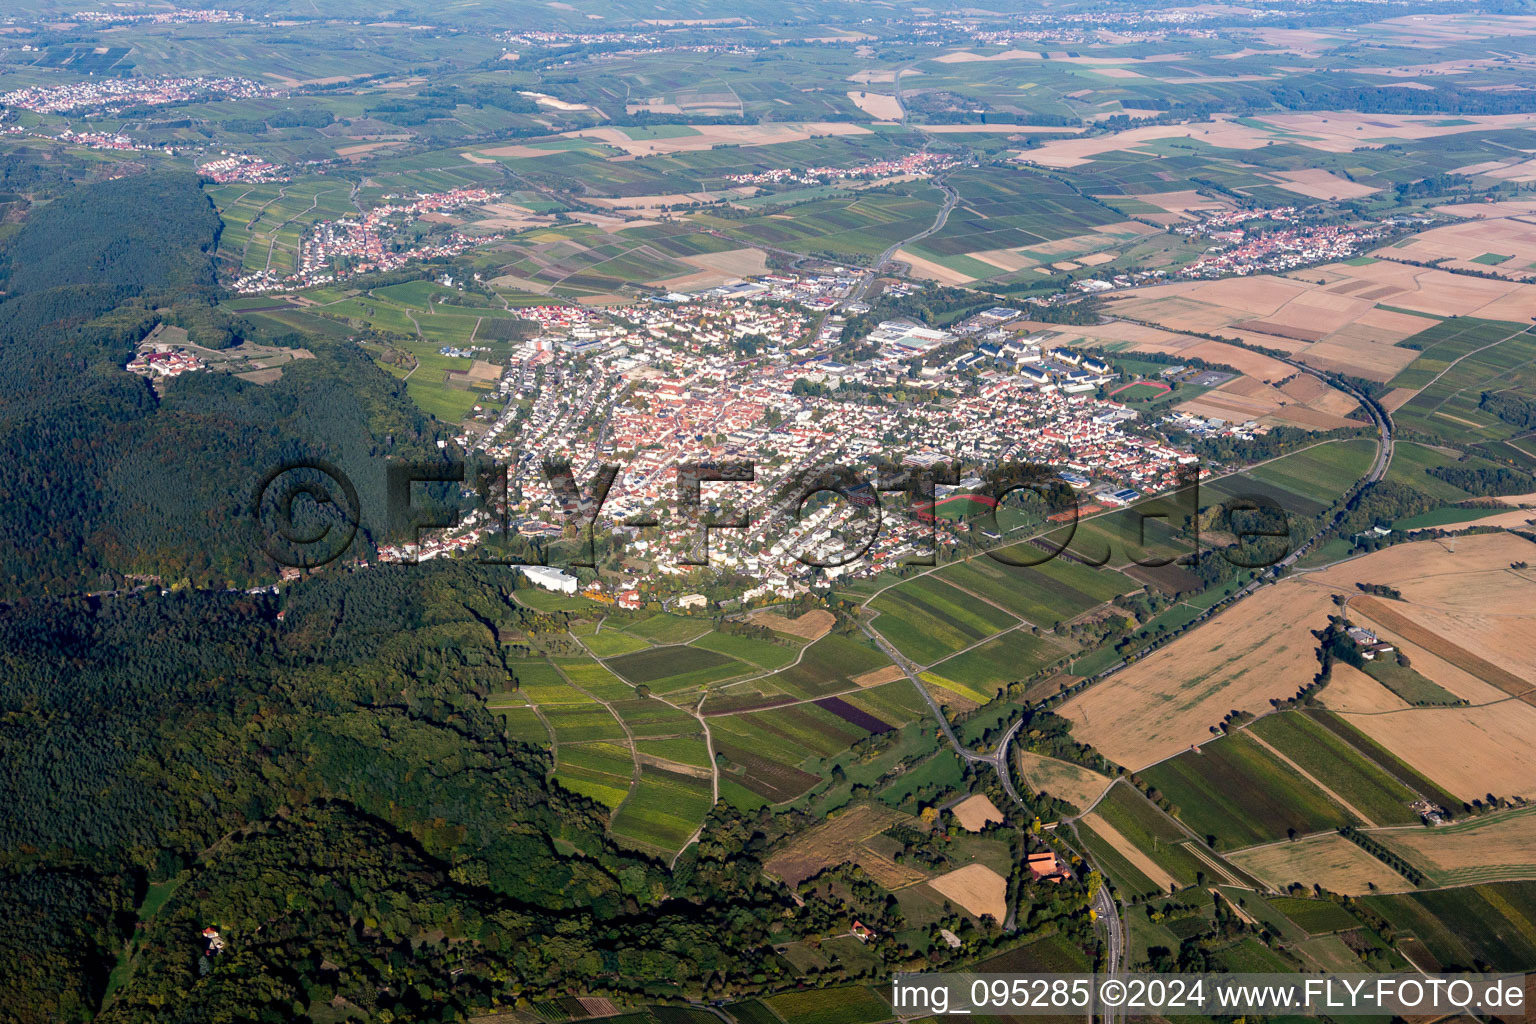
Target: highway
951	198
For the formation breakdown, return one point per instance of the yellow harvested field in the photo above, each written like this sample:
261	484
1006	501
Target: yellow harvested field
1351	690
878	77
1508	169
675	199
1468	751
712	135
967	57
1506	208
1070	782
1316	183
520	152
1467	620
1131	852
888	674
716	269
1330	132
1245	398
933	271
1459	245
975	813
1122	334
485	372
1260	649
877	105
1010	260
1011	129
1181	204
841	839
1518	519
977	889
363	148
813	625
1335	325
1461	636
1499	848
1330	860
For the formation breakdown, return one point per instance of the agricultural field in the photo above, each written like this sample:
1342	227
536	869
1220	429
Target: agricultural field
927	620
1159	840
672	668
1370	793
1240	793
845	837
975	888
1061	779
854	1005
609	643
833	664
1489	926
600	771
1328	860
1014	656
1497	848
1169	700
1354	318
1322	473
770	655
1460	361
663	810
1055	590
852	228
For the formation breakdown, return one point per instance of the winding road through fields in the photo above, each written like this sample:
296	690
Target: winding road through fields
1104	905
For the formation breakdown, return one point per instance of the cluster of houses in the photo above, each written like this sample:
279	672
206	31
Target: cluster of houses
336	249
117	93
1281	250
655	386
912	163
1368	643
161	362
241	167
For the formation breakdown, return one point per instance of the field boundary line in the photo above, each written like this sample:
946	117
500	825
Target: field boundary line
1326	791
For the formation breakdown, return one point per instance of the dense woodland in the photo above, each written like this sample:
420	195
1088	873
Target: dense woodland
323	789
109	477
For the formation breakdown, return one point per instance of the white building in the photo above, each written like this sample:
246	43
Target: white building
557	580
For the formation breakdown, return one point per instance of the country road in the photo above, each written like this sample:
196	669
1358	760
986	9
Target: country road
1104	905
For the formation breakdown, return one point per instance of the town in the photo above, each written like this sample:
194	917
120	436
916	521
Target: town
735	377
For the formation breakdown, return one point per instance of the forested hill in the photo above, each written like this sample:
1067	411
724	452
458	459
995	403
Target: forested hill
107	478
149	233
329	790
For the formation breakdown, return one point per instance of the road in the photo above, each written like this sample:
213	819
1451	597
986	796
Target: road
951	198
1383	462
1103	905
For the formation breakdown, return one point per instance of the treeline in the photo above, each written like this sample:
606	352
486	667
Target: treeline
1513	409
287	117
1384	854
440	101
1483	481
